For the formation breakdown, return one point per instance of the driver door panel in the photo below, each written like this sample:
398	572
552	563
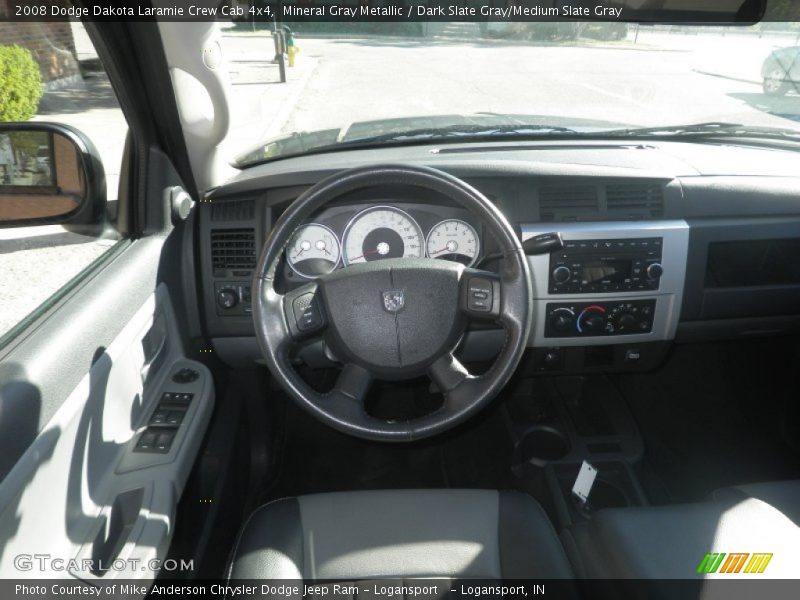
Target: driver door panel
77	395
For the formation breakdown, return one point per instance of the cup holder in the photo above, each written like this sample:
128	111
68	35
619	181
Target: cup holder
607	495
542	444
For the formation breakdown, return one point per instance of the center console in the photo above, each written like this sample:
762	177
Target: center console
617	285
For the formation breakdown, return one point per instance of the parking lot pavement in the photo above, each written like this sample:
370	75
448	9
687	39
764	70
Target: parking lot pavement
261	103
726	54
656	81
37	261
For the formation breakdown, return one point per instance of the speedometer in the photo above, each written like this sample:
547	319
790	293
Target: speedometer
381	232
454	240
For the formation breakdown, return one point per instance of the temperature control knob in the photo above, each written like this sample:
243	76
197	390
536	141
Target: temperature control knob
655	270
562	274
592	320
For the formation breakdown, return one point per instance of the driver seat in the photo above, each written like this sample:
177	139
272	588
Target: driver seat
482	534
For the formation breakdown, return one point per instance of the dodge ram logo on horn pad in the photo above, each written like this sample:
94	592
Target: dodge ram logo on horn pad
394	300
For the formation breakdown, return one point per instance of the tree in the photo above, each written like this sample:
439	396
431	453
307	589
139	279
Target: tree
20	84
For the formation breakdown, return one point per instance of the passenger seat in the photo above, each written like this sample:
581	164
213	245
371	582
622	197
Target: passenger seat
670	542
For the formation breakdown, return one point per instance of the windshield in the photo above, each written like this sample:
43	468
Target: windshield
368	82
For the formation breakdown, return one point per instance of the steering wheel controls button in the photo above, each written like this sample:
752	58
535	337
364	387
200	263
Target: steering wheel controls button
479	295
306	312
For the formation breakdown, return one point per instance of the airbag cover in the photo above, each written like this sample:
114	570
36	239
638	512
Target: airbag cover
393	316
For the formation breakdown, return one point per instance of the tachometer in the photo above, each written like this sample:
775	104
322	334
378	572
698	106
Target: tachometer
381	232
313	251
454	240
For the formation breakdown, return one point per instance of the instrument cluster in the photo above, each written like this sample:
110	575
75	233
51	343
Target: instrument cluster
377	233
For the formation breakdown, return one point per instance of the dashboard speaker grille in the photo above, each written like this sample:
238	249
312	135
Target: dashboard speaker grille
567	203
233	248
628	201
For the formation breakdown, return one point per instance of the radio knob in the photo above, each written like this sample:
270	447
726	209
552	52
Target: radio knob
563	320
654	270
562	274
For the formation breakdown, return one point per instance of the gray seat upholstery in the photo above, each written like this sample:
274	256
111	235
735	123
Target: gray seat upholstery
783	495
400	534
669	542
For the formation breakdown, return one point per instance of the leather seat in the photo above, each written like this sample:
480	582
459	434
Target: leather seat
669	542
344	536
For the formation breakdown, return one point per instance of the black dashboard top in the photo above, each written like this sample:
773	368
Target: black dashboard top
700	180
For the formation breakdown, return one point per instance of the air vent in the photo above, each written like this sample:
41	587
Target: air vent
567	203
233	248
241	210
634	201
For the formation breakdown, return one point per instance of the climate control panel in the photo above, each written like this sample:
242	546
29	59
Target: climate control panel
591	319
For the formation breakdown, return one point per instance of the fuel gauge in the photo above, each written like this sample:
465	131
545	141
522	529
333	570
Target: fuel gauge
454	240
313	251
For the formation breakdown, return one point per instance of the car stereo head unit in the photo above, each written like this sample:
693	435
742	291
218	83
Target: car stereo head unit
607	265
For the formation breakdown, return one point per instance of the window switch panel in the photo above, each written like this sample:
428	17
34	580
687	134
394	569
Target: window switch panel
156	440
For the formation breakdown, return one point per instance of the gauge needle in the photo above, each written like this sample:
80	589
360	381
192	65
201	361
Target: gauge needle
365	253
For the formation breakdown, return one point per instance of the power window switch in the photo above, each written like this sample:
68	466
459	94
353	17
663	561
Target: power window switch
159	417
182	399
174	417
147	441
164	441
175	400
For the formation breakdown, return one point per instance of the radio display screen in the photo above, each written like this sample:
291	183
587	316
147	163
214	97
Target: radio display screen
606	270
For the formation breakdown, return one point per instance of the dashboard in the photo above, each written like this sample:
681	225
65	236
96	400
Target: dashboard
665	242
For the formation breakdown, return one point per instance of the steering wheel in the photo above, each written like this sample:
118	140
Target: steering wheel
396	318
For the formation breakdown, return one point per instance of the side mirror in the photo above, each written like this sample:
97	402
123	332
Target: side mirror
50	174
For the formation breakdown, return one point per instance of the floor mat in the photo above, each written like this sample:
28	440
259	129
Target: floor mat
717	415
